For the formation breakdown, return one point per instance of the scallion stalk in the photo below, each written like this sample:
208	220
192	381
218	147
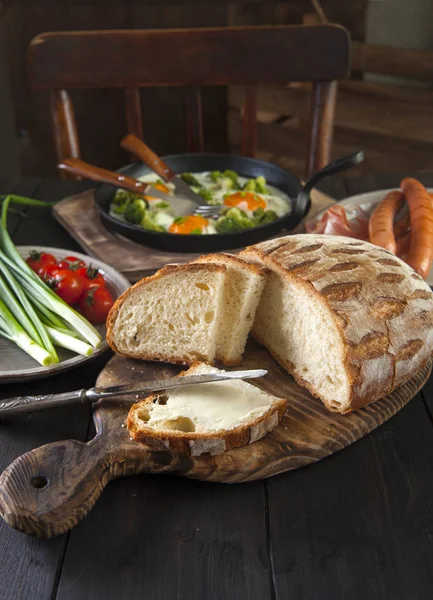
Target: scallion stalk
60	338
14	332
24	312
35	288
31	313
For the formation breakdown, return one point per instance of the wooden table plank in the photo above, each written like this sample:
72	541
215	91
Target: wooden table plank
220	529
355	525
40	227
30	568
358	524
167	538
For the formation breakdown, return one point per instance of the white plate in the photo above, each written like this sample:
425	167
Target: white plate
367	202
16	365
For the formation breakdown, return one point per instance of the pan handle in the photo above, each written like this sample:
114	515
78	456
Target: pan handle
341	164
303	202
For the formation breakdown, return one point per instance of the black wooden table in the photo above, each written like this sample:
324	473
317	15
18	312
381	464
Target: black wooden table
358	525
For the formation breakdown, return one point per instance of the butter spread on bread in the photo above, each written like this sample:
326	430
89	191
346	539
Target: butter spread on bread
205	418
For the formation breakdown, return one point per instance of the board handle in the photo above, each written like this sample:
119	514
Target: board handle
47	491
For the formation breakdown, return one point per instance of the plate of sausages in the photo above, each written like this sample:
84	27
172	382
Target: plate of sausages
399	220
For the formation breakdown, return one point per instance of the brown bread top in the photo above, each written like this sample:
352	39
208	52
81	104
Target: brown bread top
383	309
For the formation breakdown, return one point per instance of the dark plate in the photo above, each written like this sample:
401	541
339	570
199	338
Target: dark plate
247	167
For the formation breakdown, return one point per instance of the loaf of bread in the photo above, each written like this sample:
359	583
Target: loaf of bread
242	291
349	320
173	316
206	418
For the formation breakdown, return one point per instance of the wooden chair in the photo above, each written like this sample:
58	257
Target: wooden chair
132	59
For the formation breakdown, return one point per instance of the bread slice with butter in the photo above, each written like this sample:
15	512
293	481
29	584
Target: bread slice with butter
173	316
242	291
206	418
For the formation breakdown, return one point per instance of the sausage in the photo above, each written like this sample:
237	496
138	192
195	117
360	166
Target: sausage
403	244
401	226
420	255
380	226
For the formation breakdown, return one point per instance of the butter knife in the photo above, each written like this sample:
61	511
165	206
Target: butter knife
125	182
23	404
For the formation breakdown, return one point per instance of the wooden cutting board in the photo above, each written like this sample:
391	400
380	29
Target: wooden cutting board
49	490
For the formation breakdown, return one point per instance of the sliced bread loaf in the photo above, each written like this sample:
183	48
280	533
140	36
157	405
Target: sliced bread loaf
242	290
172	316
207	418
349	320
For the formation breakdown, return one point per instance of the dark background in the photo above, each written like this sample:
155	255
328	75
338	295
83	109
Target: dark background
393	127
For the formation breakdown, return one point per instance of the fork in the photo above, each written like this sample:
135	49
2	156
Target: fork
208	211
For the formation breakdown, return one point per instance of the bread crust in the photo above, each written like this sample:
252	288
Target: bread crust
114	311
195	444
255	269
384	313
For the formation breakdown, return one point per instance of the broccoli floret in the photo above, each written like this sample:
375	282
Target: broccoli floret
228	180
228	174
205	194
196	232
257	185
227	184
250	186
135	210
148	222
190	179
215	175
259	214
233	220
269	216
120	201
231	175
261	185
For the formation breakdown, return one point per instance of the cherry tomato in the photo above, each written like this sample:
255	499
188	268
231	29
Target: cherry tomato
67	285
95	304
71	262
190	224
38	260
49	271
90	277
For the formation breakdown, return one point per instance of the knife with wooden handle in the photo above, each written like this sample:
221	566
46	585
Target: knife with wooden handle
147	156
181	205
79	167
23	404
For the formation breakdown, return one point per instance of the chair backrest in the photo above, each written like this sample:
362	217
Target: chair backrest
132	59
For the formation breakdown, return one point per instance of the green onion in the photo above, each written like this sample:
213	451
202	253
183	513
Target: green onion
24	312
14	332
68	341
37	290
31	313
